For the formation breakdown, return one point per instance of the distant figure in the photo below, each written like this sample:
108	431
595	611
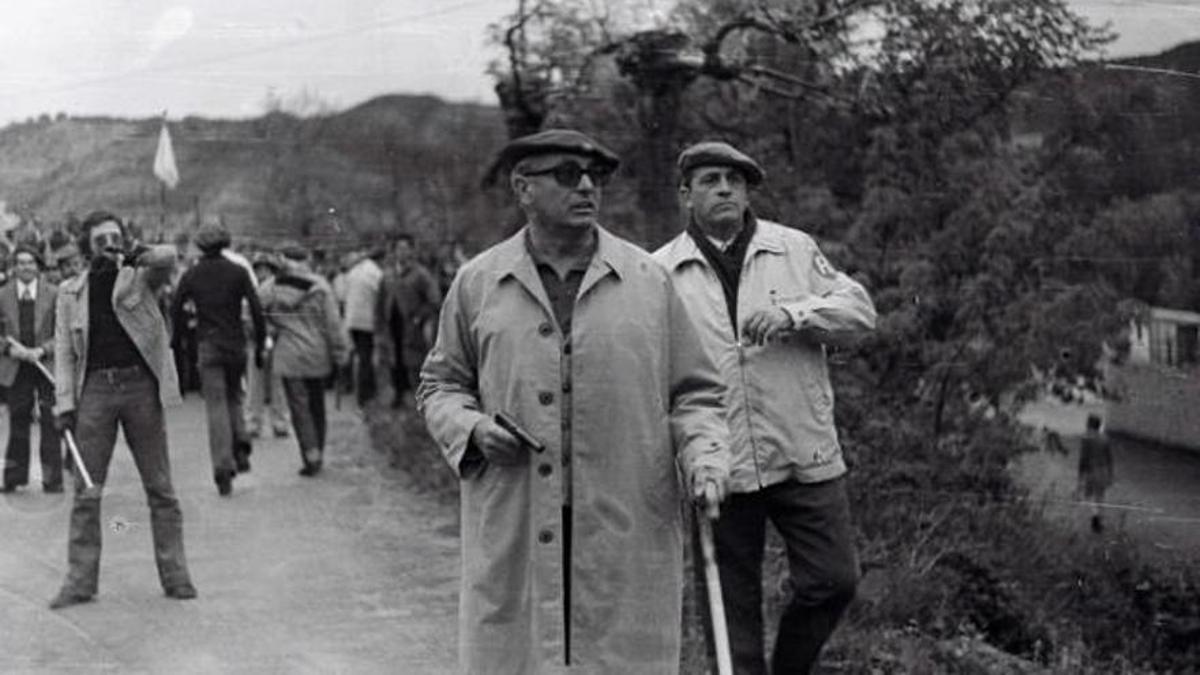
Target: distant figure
267	406
409	300
1095	469
27	339
363	282
309	345
218	286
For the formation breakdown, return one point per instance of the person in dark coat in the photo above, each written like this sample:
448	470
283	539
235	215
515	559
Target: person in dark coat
1095	469
27	327
409	299
218	286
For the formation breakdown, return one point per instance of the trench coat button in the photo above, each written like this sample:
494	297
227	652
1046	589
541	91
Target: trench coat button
545	536
545	398
545	330
566	386
544	469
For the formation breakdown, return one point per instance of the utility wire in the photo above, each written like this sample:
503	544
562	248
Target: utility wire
256	51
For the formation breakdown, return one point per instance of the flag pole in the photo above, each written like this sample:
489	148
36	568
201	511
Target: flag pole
162	190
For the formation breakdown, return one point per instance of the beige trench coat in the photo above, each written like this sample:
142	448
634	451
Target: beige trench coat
646	400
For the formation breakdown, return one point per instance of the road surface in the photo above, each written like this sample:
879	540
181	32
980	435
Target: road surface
348	572
1155	495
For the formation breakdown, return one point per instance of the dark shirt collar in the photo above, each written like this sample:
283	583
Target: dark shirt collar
577	265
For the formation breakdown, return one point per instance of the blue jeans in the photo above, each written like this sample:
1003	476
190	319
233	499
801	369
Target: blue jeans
128	397
814	521
221	373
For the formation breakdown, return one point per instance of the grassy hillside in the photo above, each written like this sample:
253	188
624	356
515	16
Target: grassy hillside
395	162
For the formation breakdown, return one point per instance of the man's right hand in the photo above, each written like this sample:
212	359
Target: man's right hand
65	421
497	445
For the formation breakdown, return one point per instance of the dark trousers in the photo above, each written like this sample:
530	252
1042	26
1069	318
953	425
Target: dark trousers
186	352
814	521
306	401
400	380
221	371
127	397
31	388
364	350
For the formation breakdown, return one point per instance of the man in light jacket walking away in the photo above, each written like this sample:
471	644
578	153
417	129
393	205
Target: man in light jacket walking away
572	556
309	344
766	303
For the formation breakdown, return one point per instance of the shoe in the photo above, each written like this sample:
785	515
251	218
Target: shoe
181	592
311	469
224	484
281	432
52	489
241	455
67	598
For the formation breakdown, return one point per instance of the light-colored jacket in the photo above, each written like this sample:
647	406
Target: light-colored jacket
646	402
43	325
780	402
302	314
135	303
362	295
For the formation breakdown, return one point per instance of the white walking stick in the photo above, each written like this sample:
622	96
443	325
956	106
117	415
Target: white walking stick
712	578
68	435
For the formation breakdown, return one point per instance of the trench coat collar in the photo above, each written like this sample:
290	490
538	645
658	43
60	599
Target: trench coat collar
683	248
513	259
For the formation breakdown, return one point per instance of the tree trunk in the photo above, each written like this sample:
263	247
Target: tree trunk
658	201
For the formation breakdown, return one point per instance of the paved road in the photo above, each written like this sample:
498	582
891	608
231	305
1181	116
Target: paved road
1155	495
345	573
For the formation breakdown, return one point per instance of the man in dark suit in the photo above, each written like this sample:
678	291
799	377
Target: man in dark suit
27	327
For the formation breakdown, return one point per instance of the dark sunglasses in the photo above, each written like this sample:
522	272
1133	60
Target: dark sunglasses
568	174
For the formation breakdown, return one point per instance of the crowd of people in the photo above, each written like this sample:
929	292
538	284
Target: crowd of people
580	387
101	331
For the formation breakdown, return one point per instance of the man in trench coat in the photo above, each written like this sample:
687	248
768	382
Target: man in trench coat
572	557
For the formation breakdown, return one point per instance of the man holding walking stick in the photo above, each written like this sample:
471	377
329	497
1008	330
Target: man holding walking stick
113	368
27	325
572	556
767	303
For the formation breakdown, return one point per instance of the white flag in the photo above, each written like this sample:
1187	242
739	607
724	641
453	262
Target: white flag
164	159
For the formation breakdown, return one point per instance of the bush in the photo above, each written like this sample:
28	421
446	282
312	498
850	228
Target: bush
962	572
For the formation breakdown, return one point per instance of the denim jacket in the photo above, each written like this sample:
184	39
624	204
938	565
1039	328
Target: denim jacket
780	403
135	302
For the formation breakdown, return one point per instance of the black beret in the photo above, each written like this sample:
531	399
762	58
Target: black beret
555	140
716	153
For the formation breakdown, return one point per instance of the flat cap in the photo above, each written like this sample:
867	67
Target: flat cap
716	153
212	236
555	140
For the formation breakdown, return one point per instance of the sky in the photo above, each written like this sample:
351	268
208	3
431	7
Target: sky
226	58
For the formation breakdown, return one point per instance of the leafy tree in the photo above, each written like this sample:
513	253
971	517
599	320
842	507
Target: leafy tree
886	129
